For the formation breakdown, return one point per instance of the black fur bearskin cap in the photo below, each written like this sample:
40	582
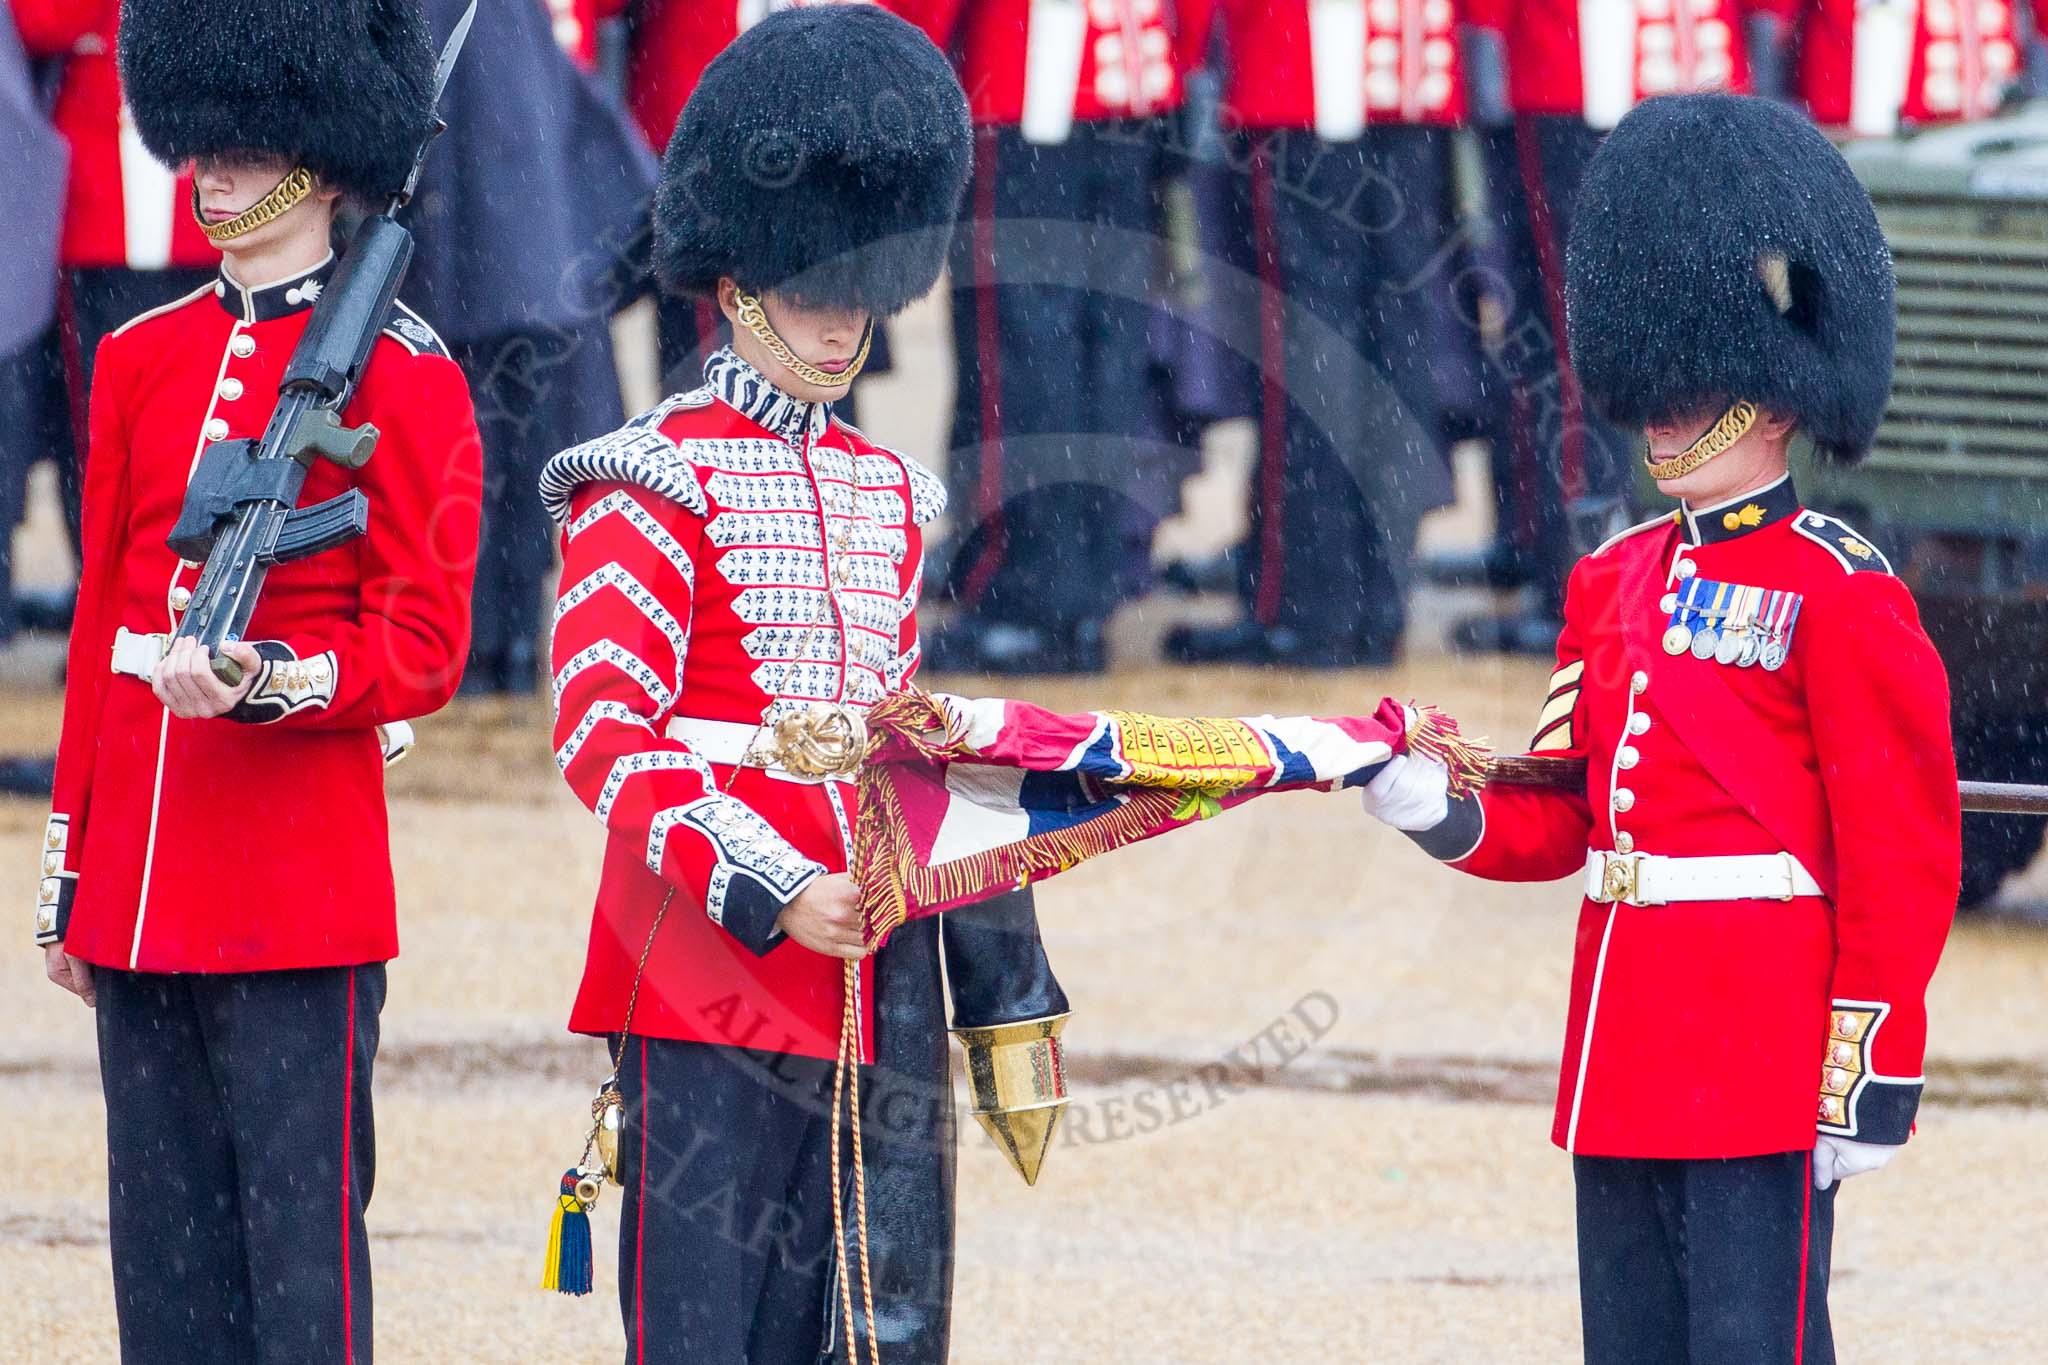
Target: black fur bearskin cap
1722	249
822	155
341	87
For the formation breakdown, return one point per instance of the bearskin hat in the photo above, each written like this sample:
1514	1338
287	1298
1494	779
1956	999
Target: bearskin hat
1721	249
341	87
822	154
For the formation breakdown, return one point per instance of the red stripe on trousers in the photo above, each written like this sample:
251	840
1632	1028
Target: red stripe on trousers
348	1099
640	1224
988	492
1805	1250
1571	465
1272	392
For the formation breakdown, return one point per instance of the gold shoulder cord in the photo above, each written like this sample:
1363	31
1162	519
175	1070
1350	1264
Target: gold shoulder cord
1737	420
754	318
283	197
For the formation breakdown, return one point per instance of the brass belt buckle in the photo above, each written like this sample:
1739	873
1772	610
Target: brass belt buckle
822	740
1618	877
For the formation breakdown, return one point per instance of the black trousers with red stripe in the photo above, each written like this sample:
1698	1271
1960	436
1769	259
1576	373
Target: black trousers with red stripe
1704	1262
240	1155
725	1235
1553	456
1065	452
1346	243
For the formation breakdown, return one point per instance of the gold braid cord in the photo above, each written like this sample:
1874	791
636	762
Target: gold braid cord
846	1100
1737	420
754	318
283	197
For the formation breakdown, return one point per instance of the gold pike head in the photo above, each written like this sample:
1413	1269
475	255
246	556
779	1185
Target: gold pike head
1018	1077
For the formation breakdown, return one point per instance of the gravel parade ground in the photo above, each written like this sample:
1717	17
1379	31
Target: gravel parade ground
1312	1073
1312	1070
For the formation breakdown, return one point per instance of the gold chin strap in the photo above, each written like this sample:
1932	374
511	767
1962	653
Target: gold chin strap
283	196
1739	418
754	318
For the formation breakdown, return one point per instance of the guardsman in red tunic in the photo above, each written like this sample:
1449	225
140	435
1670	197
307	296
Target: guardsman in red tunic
1768	832
1568	70
1065	451
1868	66
234	944
740	576
1339	112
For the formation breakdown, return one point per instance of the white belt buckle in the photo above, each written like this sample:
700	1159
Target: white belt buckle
1791	866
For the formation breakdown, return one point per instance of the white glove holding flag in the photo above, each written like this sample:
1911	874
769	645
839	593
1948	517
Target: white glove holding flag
1410	793
1839	1158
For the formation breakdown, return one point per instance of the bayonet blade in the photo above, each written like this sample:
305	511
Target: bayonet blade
452	50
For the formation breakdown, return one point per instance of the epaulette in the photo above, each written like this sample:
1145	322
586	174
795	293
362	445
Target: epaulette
927	491
1662	519
1850	547
411	331
636	453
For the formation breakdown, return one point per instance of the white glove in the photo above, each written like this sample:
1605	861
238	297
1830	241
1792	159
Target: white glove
1839	1158
1410	793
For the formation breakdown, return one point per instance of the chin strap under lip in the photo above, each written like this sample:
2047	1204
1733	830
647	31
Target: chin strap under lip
754	317
1730	427
284	196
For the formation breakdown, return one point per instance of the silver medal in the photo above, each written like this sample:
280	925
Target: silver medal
1774	655
1730	648
1705	641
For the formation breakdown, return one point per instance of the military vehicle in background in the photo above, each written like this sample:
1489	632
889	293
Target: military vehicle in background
1956	490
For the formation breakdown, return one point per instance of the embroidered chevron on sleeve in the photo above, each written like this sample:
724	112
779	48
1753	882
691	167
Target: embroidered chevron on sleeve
625	505
1554	725
899	669
615	575
630	766
616	655
598	713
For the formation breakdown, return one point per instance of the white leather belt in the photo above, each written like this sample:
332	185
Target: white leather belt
136	655
1648	879
734	744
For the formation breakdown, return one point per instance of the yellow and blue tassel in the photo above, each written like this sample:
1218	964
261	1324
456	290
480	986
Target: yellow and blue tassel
568	1269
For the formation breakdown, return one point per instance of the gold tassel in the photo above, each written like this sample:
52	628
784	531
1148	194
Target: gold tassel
1435	735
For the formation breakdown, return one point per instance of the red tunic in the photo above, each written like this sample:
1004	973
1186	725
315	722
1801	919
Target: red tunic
701	582
1700	1029
1387	61
217	845
1867	67
1099	59
122	206
1597	59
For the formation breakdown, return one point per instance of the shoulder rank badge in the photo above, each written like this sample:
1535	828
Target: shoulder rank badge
1731	624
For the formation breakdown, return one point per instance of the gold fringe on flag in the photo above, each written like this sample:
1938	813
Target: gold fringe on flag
1435	735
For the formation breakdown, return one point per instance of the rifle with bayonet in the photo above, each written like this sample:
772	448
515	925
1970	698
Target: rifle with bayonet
241	513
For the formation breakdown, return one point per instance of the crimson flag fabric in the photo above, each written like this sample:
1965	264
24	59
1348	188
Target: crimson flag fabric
962	799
